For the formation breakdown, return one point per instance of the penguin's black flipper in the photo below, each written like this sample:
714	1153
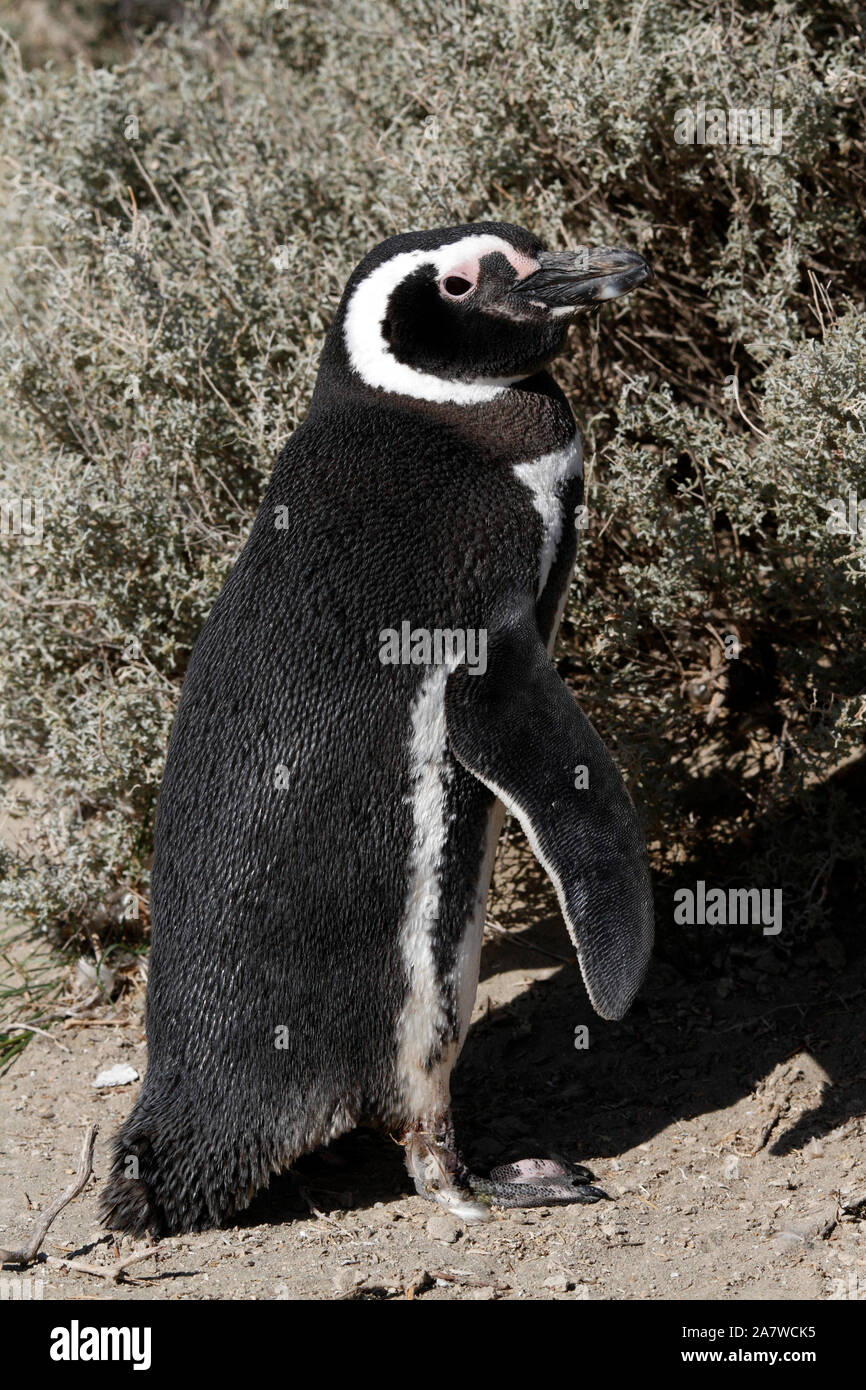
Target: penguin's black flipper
518	729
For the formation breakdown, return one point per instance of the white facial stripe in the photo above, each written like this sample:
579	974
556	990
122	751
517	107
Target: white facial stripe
368	350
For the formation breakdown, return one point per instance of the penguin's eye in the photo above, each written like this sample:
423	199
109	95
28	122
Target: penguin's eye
455	286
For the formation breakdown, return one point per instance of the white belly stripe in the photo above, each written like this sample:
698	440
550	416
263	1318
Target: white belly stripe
545	478
424	1020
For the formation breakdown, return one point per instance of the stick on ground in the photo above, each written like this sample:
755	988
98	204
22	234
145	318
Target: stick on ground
29	1253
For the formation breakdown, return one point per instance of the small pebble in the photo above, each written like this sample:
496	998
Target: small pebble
120	1075
444	1229
558	1282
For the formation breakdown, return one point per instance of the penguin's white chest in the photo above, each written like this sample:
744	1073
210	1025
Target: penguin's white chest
547	477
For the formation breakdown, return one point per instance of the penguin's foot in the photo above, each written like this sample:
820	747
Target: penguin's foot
537	1182
437	1172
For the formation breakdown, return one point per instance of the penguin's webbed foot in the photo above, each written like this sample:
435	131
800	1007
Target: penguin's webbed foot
440	1174
537	1182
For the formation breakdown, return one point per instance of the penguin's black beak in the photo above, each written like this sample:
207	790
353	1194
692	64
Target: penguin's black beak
573	280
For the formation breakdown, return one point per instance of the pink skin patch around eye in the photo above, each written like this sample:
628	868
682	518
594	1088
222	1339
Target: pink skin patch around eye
524	265
470	268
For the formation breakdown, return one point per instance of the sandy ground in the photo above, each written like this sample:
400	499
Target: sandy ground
726	1131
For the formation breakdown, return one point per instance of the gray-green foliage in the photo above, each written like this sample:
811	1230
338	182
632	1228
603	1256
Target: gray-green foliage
182	224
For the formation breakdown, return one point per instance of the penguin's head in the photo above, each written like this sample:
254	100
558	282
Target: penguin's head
462	313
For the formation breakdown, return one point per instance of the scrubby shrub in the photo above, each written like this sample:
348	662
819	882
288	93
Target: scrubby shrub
183	222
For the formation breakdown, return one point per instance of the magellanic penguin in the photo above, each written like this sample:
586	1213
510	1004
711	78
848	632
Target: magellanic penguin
372	687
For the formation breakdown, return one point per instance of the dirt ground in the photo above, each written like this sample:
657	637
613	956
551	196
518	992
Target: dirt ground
724	1120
